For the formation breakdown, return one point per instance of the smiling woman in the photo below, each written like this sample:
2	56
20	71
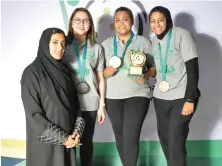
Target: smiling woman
51	105
84	56
57	45
127	94
176	95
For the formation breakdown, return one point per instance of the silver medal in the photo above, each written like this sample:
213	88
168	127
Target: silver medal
115	62
83	87
164	86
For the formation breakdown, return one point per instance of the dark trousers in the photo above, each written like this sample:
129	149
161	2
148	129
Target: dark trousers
127	116
86	149
173	129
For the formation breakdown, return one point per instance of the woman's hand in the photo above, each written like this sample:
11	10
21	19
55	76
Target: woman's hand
140	80
188	109
101	114
72	142
109	71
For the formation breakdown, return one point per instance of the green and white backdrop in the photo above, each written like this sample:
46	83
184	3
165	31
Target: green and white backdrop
22	23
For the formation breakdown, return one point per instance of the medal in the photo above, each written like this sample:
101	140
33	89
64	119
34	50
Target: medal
115	62
83	87
164	86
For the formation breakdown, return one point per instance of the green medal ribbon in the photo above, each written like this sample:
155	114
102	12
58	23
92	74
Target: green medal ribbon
163	63
82	66
127	45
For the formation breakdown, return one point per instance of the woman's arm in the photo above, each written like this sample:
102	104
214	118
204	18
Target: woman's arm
192	68
101	85
190	57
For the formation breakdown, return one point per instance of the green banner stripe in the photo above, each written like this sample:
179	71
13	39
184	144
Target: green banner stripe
199	148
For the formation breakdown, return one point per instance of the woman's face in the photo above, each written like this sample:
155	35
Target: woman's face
123	23
157	23
57	46
81	23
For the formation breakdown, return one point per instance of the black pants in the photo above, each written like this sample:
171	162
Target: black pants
127	116
173	130
86	149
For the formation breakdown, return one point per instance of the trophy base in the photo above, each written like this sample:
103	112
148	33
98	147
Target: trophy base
135	72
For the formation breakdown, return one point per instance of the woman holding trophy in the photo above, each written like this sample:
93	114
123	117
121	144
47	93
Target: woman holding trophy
129	64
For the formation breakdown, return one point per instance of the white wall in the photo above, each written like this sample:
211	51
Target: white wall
23	22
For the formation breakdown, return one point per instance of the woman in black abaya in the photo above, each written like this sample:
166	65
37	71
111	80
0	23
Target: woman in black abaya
51	105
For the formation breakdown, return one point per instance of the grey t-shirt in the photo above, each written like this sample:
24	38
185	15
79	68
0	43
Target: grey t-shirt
94	63
121	86
182	48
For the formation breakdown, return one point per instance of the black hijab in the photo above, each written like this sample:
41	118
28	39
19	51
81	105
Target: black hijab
55	76
44	55
166	13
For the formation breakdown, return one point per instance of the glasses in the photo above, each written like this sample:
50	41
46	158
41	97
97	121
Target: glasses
85	21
